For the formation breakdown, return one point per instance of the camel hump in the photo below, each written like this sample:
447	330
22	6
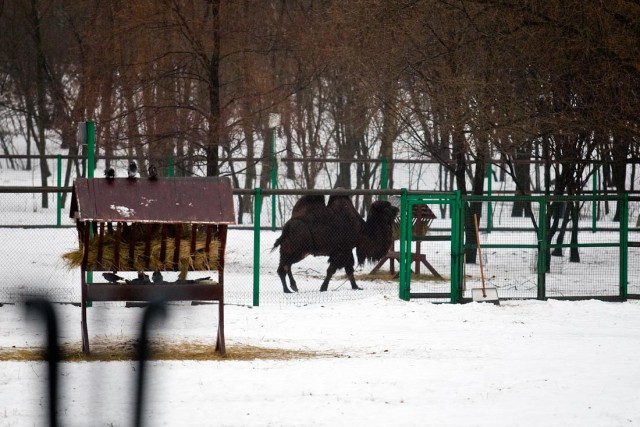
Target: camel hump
306	204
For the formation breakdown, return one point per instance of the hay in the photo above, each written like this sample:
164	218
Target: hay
199	260
109	351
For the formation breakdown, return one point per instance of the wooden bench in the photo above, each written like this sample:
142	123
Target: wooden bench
170	224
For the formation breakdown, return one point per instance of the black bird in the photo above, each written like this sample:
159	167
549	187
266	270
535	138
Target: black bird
142	279
156	276
153	172
133	170
110	173
112	277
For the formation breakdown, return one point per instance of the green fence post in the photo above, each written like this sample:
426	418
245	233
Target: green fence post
384	180
91	148
624	246
59	198
91	164
274	177
594	204
457	247
257	207
170	167
542	249
489	204
405	259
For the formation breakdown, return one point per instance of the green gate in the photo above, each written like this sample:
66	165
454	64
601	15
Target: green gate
452	201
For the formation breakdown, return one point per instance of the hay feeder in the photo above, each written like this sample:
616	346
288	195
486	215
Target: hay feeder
163	224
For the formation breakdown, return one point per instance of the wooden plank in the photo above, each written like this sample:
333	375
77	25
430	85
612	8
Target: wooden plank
132	245
194	235
153	292
163	243
176	249
100	244
147	245
207	245
116	248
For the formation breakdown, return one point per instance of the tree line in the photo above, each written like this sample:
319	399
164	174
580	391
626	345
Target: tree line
458	81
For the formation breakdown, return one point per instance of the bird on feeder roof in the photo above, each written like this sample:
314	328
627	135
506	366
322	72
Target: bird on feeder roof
133	170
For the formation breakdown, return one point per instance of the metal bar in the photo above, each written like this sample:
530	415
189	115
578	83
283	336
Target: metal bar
489	192
257	207
432	238
59	196
405	259
594	201
274	177
91	148
624	247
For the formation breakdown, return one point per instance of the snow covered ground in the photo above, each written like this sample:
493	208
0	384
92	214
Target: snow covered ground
380	361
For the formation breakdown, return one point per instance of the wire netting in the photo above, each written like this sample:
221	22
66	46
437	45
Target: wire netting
33	256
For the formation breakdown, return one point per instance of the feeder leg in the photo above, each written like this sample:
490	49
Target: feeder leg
85	334
220	345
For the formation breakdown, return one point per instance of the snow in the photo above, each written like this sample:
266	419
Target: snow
123	210
380	361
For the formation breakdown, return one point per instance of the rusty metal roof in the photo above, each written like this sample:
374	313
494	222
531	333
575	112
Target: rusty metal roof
163	200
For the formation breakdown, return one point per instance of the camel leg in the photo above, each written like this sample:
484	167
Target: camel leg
349	270
292	281
282	272
332	269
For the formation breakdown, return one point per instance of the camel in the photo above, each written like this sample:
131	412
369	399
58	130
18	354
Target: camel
334	230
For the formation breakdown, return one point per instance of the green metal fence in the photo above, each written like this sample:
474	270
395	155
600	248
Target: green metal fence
523	257
553	253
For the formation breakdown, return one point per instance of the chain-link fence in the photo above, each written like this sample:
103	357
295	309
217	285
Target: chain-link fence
33	264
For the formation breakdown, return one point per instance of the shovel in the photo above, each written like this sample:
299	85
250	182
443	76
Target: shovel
483	294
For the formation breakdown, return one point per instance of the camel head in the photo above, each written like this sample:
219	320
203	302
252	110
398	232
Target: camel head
376	235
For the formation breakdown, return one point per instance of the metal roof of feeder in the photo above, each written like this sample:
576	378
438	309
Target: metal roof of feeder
192	200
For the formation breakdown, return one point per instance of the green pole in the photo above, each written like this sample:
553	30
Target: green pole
257	207
91	148
59	205
594	203
624	246
384	180
91	164
489	204
457	247
405	267
274	177
170	167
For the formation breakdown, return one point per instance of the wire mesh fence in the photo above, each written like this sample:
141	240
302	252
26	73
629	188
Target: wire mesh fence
33	261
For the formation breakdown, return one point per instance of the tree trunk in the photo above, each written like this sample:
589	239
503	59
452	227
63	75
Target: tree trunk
619	169
523	180
213	157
